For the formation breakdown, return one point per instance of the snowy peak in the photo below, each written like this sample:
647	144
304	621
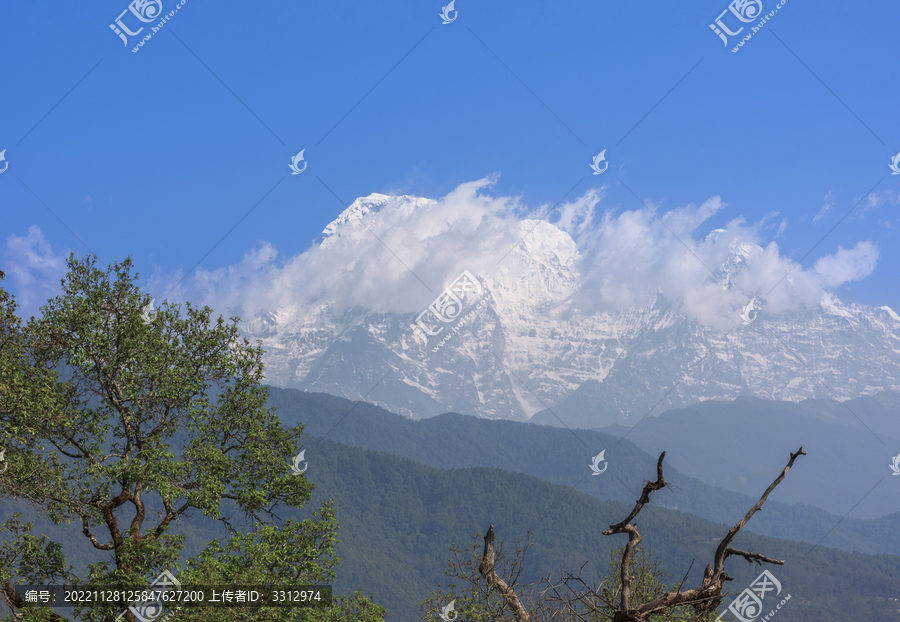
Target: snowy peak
890	312
363	208
360	208
520	348
739	253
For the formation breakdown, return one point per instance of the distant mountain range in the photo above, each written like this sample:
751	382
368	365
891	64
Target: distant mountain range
520	351
399	516
405	490
850	448
560	456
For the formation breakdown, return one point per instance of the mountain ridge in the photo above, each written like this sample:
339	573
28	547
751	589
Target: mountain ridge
453	441
529	349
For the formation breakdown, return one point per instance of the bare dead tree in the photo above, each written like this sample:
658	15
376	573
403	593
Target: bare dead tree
480	600
595	603
487	570
704	599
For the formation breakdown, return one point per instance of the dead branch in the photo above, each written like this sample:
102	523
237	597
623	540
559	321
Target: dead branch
723	551
634	537
587	596
487	570
704	599
709	595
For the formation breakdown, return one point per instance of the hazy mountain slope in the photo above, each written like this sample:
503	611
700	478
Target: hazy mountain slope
526	350
386	503
562	457
398	518
845	462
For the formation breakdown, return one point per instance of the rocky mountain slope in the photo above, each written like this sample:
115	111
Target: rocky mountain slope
508	343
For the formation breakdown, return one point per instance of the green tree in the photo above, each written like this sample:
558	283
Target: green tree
300	553
32	558
159	416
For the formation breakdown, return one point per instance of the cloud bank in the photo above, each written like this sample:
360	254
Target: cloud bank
33	270
625	258
400	255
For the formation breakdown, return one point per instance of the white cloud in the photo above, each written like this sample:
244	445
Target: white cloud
874	200
847	264
409	250
826	208
34	269
624	258
631	257
889	196
576	218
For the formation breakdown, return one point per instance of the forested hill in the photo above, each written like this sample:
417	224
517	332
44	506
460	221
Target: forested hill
398	518
560	456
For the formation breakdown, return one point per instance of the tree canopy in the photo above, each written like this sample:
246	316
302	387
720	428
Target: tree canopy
124	423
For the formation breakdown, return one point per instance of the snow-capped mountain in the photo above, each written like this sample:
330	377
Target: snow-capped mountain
515	347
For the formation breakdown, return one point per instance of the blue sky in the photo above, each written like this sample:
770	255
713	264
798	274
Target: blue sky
158	154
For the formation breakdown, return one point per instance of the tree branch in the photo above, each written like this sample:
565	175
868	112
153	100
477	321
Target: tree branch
721	552
486	568
634	537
